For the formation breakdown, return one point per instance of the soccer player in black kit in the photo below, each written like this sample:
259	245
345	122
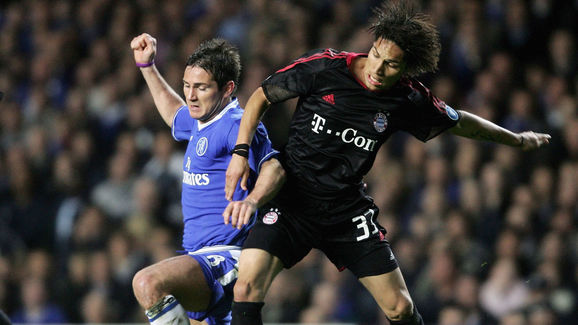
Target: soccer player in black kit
349	105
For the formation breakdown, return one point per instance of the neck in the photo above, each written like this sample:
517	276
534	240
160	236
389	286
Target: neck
357	66
219	106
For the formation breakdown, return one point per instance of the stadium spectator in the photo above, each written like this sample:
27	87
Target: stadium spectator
96	308
36	305
504	291
114	195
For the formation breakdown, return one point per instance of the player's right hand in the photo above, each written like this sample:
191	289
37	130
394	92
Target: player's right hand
532	140
144	48
238	169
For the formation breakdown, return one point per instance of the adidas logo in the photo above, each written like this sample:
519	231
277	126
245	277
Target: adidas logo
329	98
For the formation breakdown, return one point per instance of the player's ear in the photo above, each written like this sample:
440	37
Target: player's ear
229	88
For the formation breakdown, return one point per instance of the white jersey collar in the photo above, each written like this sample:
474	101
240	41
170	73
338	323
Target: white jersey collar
232	104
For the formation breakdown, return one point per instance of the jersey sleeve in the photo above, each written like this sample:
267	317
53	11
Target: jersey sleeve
296	79
429	116
182	124
261	148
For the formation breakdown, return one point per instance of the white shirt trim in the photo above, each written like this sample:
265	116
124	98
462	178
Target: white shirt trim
267	156
216	248
232	104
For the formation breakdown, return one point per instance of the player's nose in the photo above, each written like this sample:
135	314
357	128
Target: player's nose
192	95
379	70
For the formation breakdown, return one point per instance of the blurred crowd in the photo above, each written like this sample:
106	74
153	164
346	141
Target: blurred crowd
90	175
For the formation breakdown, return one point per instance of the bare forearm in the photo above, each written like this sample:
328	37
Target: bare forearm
269	182
477	128
254	110
271	178
166	99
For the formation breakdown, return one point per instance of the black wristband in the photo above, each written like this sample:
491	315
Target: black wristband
241	150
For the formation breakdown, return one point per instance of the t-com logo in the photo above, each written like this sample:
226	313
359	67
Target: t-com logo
348	135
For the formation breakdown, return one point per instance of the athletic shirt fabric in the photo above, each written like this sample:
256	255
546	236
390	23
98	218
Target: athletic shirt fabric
204	165
339	125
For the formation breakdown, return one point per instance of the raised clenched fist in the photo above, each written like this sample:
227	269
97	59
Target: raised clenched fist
144	47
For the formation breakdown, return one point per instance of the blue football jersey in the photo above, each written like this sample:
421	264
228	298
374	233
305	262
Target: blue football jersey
204	165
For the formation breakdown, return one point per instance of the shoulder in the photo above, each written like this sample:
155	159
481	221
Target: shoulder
411	84
327	54
228	125
419	94
415	90
233	116
319	59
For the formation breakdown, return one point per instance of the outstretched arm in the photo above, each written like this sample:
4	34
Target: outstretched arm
474	127
239	166
166	99
269	181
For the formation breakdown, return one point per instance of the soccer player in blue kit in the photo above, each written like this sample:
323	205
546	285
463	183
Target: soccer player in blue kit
349	105
198	285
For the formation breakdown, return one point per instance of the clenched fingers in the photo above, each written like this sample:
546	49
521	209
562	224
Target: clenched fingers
532	140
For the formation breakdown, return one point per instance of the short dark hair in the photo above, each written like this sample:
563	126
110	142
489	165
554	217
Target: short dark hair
413	32
220	58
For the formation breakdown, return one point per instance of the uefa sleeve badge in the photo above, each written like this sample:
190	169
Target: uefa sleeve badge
452	114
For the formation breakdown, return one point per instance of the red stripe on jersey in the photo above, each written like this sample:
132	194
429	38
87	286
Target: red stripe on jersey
328	54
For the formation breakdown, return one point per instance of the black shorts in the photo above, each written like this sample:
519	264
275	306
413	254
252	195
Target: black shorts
355	241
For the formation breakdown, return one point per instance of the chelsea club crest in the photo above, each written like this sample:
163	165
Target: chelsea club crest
202	146
380	122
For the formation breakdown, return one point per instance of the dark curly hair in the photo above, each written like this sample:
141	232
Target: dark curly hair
398	21
220	58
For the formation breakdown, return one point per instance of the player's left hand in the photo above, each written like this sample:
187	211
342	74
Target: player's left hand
531	140
239	212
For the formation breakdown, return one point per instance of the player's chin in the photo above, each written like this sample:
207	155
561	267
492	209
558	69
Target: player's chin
195	112
375	87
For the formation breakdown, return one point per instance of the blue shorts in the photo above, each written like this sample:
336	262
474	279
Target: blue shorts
220	265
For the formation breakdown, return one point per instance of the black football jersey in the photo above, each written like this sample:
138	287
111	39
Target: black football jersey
339	124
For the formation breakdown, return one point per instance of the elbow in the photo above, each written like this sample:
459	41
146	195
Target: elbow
273	169
460	127
278	170
259	99
260	93
456	129
282	175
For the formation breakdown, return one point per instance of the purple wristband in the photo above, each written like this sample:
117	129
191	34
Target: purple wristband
144	65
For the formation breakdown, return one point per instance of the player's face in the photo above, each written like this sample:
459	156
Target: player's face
384	66
204	98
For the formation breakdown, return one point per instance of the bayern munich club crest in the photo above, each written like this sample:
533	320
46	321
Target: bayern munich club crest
380	122
271	217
